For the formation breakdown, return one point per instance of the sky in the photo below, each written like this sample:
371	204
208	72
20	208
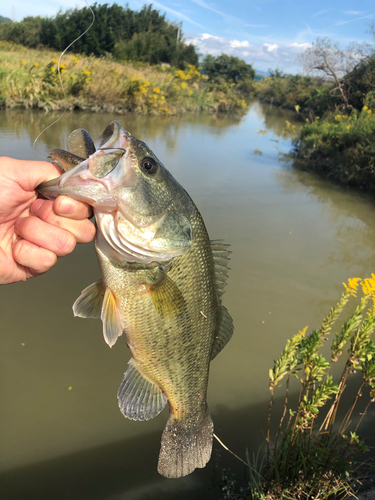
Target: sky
265	33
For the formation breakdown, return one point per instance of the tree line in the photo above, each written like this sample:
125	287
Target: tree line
143	35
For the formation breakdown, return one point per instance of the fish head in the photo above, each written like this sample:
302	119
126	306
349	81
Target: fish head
142	213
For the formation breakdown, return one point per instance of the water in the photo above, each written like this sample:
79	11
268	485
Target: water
295	239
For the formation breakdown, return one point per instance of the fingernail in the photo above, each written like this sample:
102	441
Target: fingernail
36	206
67	206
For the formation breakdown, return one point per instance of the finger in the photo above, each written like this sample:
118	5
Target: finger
28	174
82	230
67	207
36	259
44	235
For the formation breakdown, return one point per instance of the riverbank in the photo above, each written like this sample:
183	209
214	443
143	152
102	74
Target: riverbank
29	79
340	147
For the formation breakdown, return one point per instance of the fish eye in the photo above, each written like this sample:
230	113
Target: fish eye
149	166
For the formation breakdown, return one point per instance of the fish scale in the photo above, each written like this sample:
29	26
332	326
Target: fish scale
161	286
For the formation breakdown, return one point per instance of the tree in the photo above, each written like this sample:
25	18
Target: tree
229	68
325	59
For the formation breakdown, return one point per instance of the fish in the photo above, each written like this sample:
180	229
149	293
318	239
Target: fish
161	287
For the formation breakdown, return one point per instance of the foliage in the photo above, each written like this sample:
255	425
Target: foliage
144	36
27	32
309	93
227	68
310	460
341	147
29	78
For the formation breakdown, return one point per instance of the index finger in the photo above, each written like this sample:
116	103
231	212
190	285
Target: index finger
29	174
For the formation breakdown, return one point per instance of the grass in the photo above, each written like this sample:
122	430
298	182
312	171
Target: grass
311	451
29	79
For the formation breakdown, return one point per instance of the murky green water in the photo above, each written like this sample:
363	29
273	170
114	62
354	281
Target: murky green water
295	239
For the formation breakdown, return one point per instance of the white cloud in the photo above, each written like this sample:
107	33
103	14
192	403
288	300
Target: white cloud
271	46
261	56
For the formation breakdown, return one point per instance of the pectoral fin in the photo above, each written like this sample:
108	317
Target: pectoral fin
165	295
139	398
224	334
112	327
89	303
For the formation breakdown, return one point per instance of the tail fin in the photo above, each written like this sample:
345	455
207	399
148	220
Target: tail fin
185	445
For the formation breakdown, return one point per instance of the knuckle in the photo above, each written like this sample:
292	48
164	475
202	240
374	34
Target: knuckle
65	242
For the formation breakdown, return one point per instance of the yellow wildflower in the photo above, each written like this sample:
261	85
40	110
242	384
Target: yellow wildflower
308	119
368	286
88	73
369	111
183	85
352	285
54	61
365	108
142	89
53	69
62	66
156	90
62	71
348	127
36	64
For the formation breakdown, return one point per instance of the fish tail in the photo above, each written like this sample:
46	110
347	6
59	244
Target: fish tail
185	445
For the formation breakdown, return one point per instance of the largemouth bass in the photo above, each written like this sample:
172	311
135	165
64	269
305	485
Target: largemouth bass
161	285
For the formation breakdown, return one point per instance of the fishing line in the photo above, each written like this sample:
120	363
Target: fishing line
238	458
61	83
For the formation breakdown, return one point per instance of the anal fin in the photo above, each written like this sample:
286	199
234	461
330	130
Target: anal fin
139	398
89	303
224	334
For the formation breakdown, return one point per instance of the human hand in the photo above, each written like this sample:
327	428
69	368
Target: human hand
34	232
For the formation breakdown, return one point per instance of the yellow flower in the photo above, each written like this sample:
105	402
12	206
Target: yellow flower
53	69
365	108
156	90
62	71
54	61
183	85
369	111
348	127
88	73
368	286
308	119
62	66
36	64
352	285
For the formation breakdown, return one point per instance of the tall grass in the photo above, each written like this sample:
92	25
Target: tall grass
310	452
29	78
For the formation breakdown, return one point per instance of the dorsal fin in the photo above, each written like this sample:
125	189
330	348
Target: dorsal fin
220	252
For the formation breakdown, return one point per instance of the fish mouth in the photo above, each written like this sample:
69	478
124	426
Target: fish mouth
90	181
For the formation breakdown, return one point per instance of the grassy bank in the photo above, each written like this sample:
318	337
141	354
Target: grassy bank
341	148
29	79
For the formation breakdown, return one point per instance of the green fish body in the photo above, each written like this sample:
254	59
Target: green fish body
161	287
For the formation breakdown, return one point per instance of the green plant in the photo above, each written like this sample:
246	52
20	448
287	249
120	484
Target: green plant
311	455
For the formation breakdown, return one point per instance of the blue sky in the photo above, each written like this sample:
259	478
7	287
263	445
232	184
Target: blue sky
266	33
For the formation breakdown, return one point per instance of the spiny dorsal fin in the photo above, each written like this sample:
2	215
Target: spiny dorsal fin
220	252
165	295
112	327
80	143
224	334
138	397
89	303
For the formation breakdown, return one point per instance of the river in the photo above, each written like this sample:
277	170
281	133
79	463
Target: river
295	238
